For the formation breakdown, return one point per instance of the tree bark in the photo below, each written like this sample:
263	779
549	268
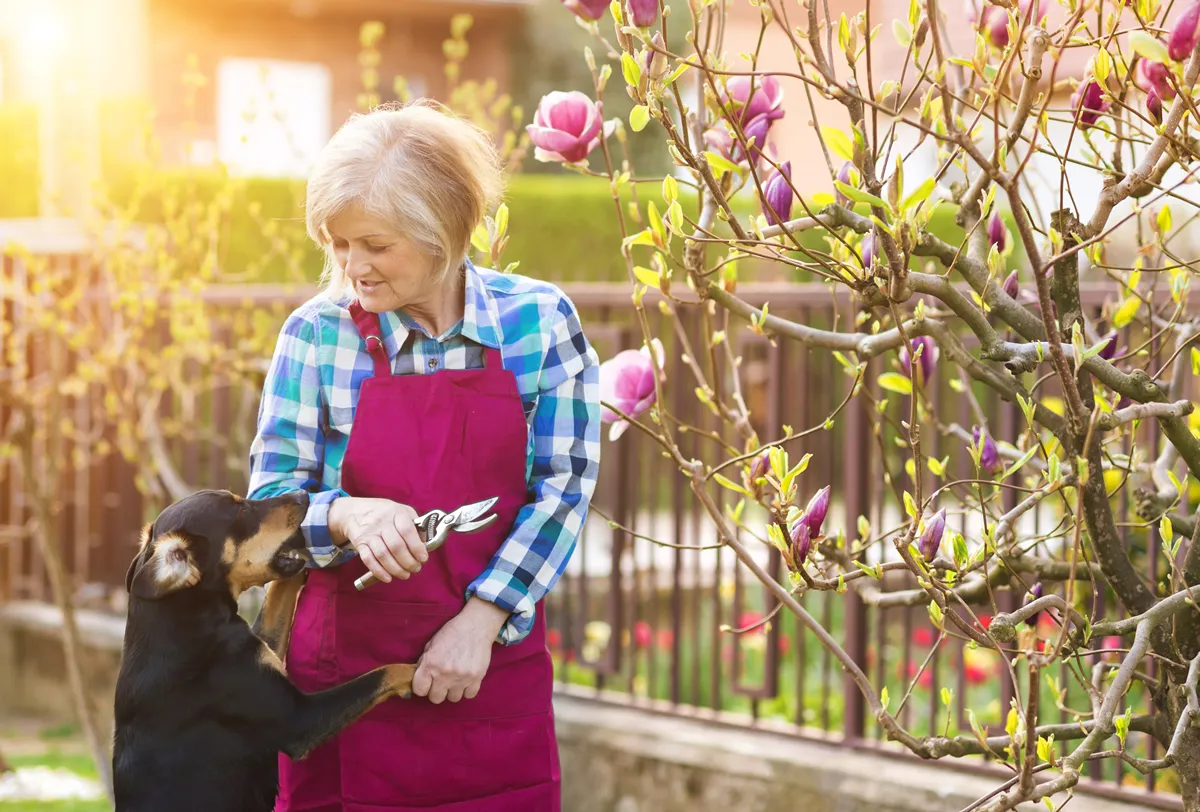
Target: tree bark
61	589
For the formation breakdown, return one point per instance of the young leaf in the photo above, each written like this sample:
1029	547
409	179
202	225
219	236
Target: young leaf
731	485
1121	723
1195	361
791	475
630	69
720	165
1145	44
895	382
947	697
1045	748
935	614
902	33
910	507
1126	312
649	278
861	196
639	117
838	143
883	697
919	195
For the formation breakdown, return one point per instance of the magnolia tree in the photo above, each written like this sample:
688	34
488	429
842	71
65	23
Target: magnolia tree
1124	116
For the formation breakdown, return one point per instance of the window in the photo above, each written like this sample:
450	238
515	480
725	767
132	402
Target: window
273	117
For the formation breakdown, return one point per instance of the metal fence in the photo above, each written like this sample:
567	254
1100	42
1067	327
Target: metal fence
652	612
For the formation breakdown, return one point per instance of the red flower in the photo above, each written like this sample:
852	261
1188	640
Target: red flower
985	621
926	678
666	639
553	638
643	635
751	618
785	644
923	636
976	673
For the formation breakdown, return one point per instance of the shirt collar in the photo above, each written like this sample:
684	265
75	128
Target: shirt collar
480	322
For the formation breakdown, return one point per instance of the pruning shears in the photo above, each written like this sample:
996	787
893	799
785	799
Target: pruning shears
436	525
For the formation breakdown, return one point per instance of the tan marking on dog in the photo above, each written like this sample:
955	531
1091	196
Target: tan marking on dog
249	561
274	622
172	565
398	680
144	538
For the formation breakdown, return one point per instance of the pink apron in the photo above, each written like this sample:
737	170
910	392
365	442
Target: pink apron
437	440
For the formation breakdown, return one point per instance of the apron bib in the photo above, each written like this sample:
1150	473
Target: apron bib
439	440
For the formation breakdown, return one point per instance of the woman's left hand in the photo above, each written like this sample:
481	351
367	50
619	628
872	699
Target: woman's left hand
457	657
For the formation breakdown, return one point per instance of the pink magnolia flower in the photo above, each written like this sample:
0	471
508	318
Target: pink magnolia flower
627	382
997	233
993	20
777	194
643	12
767	98
1184	34
1089	100
566	127
587	9
1151	77
931	539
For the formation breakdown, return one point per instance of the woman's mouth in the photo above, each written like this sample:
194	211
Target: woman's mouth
367	287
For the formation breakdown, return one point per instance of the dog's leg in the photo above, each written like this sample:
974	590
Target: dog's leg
274	622
321	715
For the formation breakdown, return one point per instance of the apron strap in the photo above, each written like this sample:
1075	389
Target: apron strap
369	329
492	358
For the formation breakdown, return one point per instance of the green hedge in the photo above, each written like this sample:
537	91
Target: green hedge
18	160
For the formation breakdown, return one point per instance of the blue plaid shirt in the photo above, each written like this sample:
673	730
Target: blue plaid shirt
312	386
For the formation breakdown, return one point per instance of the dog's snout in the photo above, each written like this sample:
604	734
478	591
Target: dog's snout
300	498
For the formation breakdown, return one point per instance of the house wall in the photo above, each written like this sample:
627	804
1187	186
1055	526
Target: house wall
326	35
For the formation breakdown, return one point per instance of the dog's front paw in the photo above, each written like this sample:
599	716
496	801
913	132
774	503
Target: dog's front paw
398	680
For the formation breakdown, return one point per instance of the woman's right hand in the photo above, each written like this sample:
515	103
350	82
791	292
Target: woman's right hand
381	532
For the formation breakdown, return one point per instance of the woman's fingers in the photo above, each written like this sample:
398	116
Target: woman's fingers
403	521
371	562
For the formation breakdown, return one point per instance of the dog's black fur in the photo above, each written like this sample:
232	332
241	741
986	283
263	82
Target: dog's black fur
203	707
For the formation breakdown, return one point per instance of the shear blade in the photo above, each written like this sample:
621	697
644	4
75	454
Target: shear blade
468	514
478	524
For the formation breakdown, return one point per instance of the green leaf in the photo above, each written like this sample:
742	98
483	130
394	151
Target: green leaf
1195	361
670	189
1045	748
1164	219
1053	465
1145	44
644	237
720	165
731	485
883	697
639	117
861	196
649	278
947	697
1019	464
838	143
919	195
675	215
895	382
675	74
1165	530
910	507
630	69
1126	312
1121	723
902	33
961	555
935	614
797	469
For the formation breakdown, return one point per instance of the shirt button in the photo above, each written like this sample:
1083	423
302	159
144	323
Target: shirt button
433	363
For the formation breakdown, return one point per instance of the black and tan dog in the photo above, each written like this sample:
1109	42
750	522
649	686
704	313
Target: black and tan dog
203	707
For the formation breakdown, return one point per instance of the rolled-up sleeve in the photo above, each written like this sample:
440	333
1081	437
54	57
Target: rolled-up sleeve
288	450
566	461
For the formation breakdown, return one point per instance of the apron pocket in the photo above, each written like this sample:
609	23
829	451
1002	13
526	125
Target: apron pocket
428	763
372	633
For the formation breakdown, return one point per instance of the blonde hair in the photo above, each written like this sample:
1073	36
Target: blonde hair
429	173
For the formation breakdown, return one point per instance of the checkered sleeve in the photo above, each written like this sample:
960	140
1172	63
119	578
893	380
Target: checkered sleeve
566	459
287	453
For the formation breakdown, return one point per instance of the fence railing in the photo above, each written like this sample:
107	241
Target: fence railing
678	627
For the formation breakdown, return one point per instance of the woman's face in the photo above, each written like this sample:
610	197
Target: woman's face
387	270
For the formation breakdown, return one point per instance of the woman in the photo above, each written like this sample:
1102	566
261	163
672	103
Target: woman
416	381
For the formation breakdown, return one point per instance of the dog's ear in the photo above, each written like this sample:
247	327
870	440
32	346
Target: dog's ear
166	565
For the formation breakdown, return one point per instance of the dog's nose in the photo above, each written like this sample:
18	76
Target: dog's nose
300	498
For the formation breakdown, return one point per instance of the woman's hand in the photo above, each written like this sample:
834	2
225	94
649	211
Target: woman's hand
383	534
457	658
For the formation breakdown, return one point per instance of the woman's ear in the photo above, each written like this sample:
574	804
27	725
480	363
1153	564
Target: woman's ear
164	565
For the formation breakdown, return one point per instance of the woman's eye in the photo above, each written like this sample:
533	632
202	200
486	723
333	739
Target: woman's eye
375	249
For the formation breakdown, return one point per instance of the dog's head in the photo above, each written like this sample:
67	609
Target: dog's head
216	540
